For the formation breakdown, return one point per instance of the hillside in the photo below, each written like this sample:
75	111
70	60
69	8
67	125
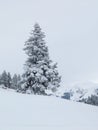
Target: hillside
83	92
29	112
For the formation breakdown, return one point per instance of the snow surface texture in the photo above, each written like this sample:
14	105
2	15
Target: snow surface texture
29	112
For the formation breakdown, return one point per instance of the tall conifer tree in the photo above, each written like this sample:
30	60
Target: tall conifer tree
40	73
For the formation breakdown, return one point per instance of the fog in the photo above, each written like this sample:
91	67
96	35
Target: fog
71	28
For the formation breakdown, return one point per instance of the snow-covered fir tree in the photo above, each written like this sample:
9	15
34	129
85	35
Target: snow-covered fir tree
40	73
16	82
9	80
5	79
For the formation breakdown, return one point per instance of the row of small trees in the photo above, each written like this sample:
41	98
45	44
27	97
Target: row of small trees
40	72
8	81
93	100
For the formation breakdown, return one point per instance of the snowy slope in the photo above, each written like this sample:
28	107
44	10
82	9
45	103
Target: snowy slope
29	112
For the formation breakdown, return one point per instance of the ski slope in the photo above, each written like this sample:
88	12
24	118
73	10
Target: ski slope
29	112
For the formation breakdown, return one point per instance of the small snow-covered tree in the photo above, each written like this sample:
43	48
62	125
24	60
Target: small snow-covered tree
16	81
9	80
40	73
4	79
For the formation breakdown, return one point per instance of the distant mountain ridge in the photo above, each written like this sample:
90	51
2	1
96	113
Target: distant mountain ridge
81	92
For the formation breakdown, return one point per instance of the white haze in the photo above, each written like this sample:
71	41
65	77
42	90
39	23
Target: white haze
71	28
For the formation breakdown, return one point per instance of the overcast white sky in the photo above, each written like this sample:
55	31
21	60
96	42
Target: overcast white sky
71	28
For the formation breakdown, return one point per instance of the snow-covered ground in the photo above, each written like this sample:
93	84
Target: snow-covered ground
29	112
